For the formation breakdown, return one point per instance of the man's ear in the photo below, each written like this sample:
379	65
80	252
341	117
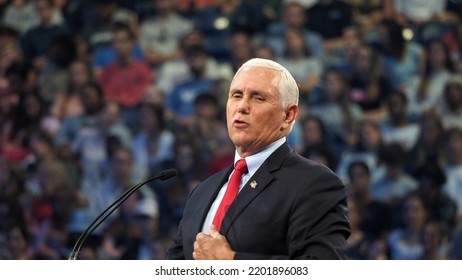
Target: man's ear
291	115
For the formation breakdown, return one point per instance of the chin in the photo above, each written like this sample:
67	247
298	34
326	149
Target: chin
240	141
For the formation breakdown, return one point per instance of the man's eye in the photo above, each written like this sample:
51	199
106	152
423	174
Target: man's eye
259	98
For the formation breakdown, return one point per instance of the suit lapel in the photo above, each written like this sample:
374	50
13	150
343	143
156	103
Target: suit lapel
207	197
256	184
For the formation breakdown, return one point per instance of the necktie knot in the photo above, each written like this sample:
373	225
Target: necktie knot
241	166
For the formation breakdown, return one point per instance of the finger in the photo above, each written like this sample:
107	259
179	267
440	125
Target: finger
214	232
201	235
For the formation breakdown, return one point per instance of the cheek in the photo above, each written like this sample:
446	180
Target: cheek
229	111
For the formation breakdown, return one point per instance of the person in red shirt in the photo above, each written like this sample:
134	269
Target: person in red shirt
126	80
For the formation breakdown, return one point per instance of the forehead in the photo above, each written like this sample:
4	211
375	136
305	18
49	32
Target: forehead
256	79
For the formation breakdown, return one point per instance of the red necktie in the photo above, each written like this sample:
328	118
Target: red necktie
231	192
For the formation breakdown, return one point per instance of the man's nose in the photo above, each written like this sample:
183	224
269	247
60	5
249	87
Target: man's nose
243	106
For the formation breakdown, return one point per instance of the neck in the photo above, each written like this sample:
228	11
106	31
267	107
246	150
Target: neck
47	24
399	121
164	15
153	133
456	109
123	182
438	68
296	54
412	234
124	61
455	160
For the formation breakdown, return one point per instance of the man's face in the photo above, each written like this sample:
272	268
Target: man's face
294	16
397	106
197	63
122	164
122	44
45	11
254	113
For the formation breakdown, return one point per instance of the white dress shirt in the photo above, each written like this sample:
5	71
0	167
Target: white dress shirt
253	163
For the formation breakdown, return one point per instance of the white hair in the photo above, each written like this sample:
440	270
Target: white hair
288	87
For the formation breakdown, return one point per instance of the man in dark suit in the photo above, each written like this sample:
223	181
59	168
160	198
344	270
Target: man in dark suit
287	207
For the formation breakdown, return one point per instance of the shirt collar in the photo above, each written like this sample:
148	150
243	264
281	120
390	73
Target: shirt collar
256	160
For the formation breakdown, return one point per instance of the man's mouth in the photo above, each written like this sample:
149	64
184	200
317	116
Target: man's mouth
240	123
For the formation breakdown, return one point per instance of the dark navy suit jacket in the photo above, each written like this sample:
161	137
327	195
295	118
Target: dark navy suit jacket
297	210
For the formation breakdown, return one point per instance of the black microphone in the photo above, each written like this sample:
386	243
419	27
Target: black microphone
164	175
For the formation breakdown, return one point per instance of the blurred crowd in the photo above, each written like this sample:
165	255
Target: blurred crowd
96	96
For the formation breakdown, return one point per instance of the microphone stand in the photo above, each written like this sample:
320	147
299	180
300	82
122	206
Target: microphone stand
164	175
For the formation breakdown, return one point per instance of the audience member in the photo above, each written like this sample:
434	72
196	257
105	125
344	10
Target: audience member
323	155
379	250
394	184
314	132
451	103
403	61
297	58
358	242
293	17
405	242
437	73
425	18
191	8
180	101
453	168
51	210
10	47
160	35
376	219
52	79
367	14
13	193
342	55
72	13
264	51
209	130
116	180
441	207
433	239
398	126
69	101
129	234
191	170
173	73
20	15
94	143
29	115
369	87
99	21
40	145
93	104
455	250
241	49
153	144
19	245
36	41
336	111
329	18
429	144
368	142
221	19
126	80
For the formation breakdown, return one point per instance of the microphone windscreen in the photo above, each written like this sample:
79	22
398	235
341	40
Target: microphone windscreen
167	174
